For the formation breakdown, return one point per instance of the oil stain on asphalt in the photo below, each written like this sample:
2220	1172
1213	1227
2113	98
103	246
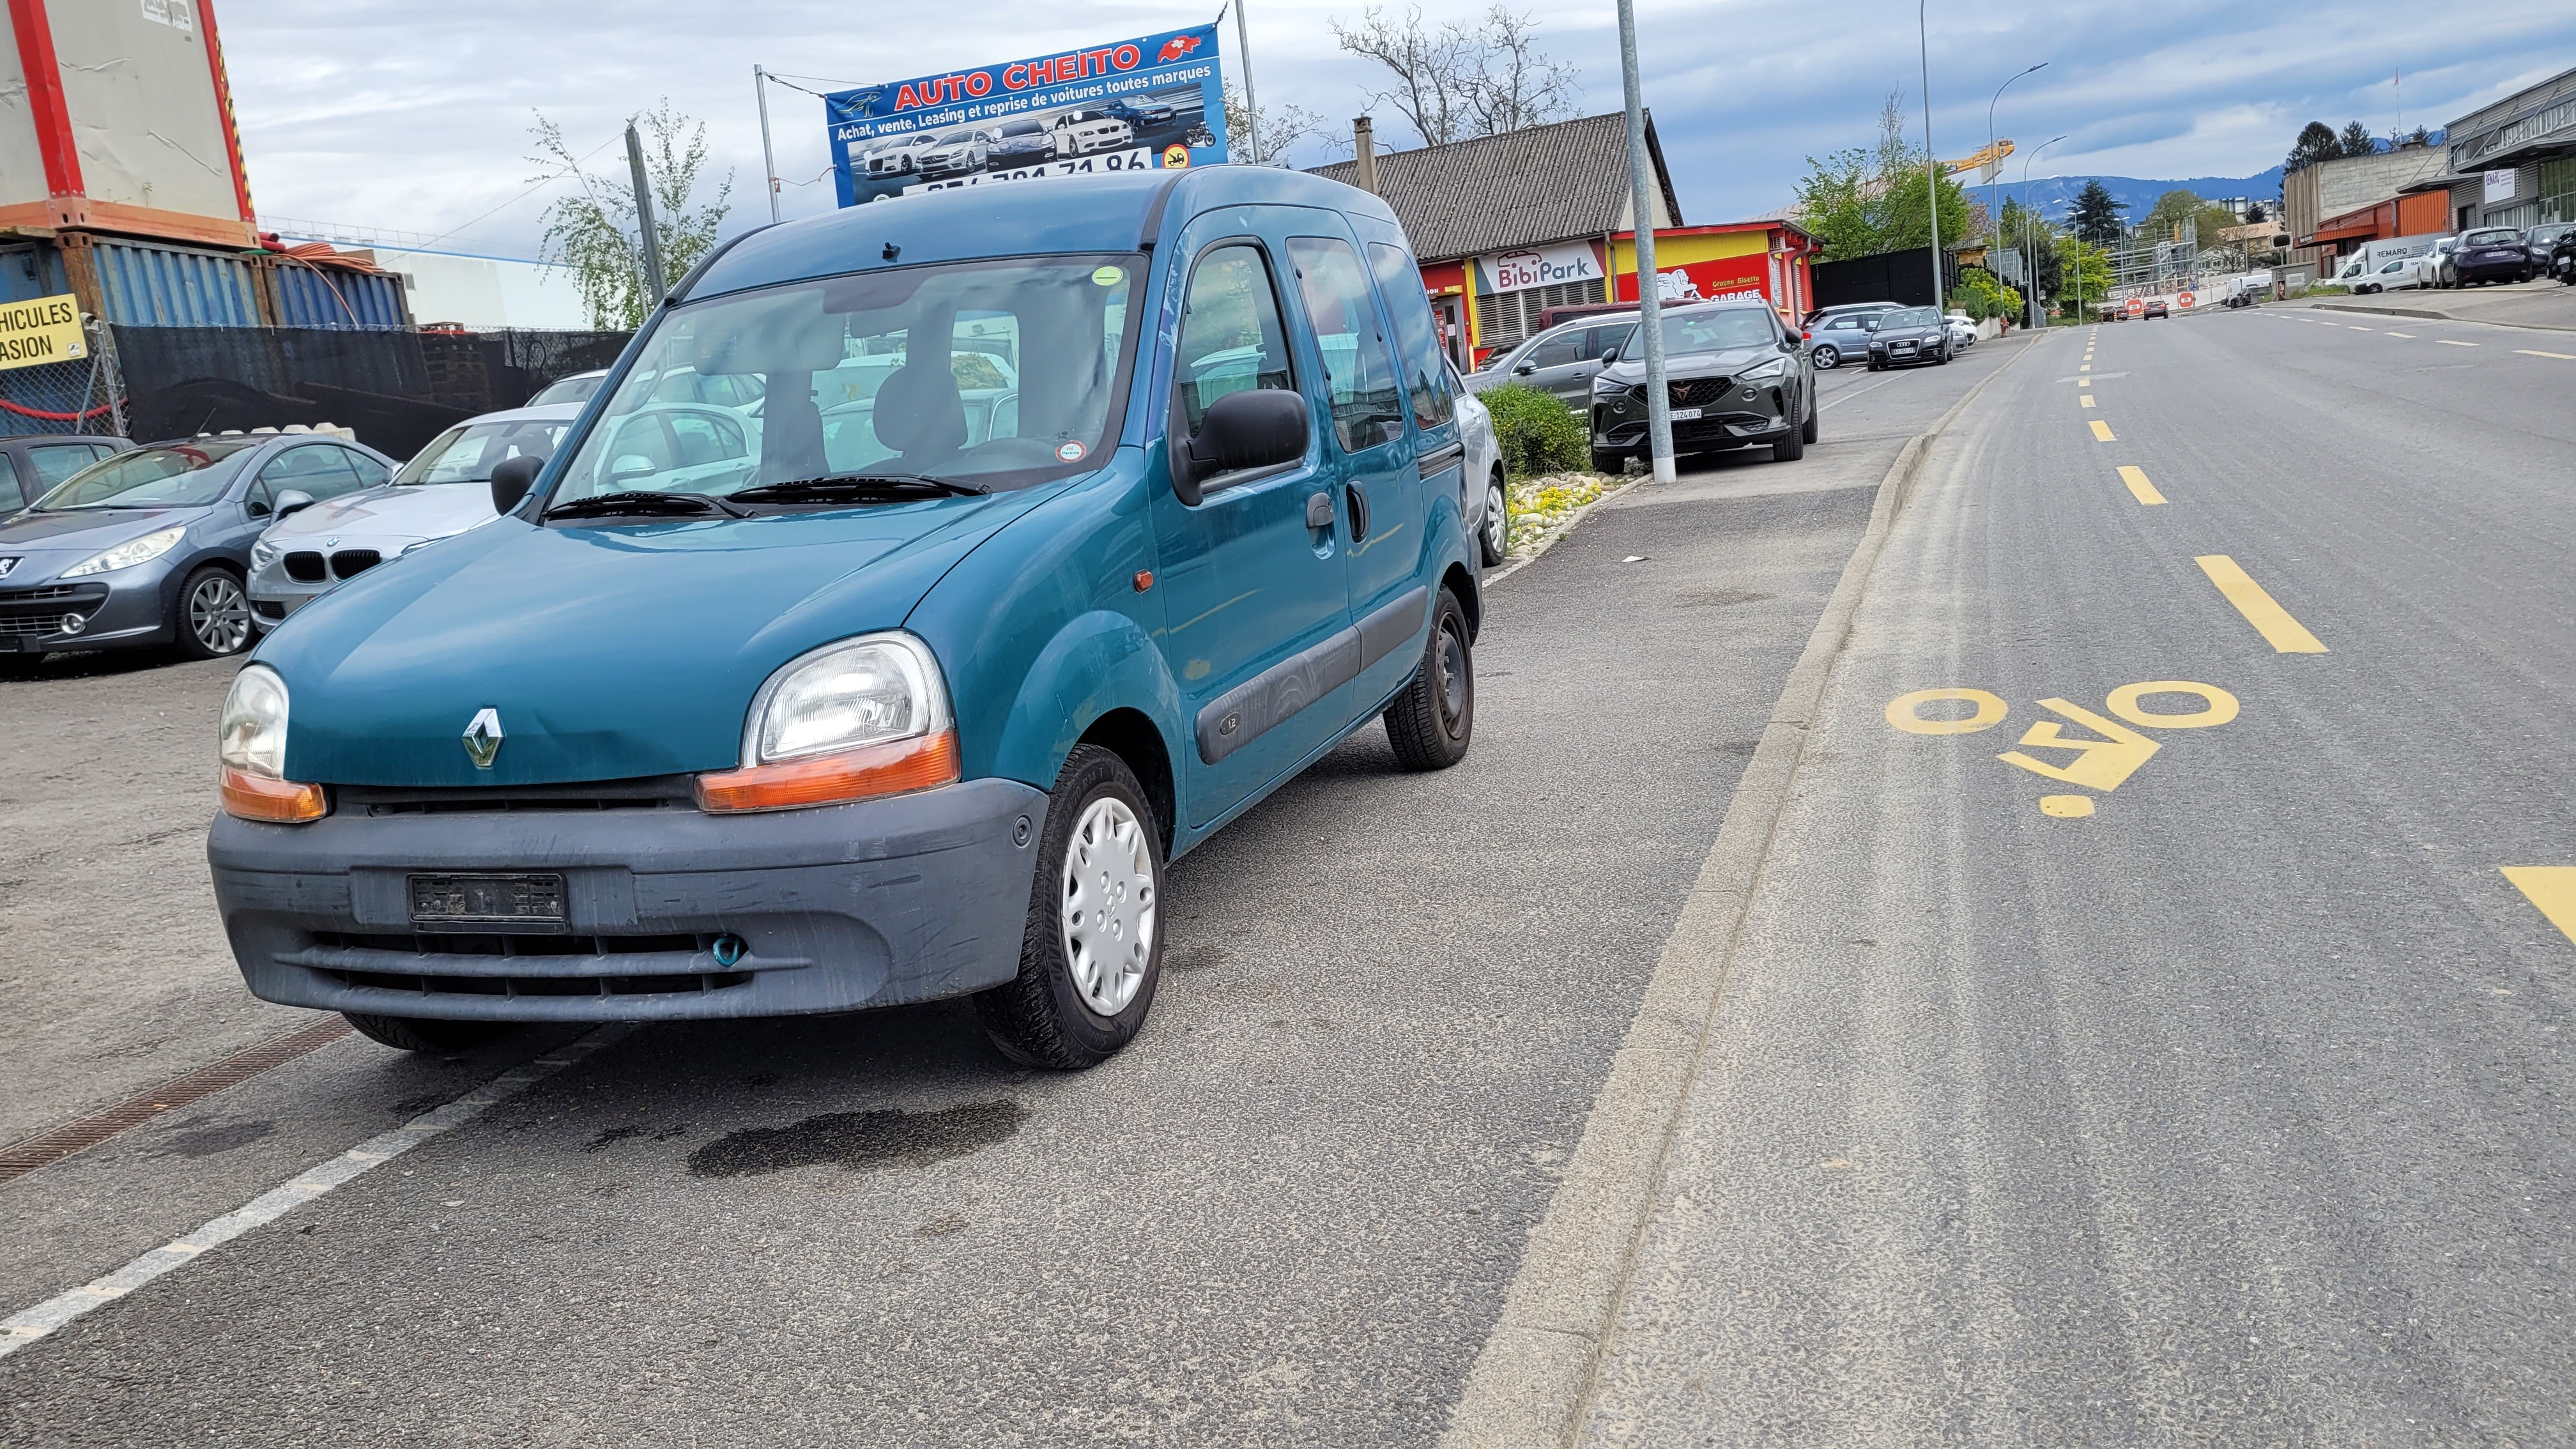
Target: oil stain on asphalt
860	1140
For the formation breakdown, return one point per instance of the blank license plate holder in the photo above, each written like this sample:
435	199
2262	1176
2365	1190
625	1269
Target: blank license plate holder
513	901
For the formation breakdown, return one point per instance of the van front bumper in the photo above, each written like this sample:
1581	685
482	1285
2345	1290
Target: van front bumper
836	908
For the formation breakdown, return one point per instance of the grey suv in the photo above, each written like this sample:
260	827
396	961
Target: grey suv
1562	360
1738	379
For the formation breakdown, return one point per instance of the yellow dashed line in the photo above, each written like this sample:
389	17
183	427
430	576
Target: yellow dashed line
2550	887
2285	634
2101	431
2139	488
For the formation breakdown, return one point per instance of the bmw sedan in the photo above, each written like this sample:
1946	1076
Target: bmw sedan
1737	379
150	547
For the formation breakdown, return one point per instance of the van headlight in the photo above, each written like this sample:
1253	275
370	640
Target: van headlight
251	751
850	721
129	553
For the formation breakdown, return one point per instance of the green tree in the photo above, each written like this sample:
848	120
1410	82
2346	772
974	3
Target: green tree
593	233
2025	230
2096	217
1862	201
2087	272
1981	296
2357	140
2177	206
2316	143
1834	204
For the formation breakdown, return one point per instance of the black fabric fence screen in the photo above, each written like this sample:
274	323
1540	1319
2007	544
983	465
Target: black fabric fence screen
1902	277
396	389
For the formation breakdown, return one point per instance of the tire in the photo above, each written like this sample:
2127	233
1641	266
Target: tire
1878	366
1613	461
1434	720
1791	448
1828	358
1494	540
1807	432
213	619
420	1034
1099	874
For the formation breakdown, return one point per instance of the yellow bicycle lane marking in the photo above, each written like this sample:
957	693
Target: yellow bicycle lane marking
2285	634
2102	764
2550	887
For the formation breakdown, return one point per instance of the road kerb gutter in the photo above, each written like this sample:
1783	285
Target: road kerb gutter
1530	1383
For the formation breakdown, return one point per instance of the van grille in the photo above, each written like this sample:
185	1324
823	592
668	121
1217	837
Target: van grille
653	792
380	970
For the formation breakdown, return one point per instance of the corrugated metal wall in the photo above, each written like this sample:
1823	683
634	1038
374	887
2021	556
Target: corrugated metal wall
330	297
29	272
144	285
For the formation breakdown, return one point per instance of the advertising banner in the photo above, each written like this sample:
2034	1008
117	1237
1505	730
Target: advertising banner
1547	266
47	329
1156	102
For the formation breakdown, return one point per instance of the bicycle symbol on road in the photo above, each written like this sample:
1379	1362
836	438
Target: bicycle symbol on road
2098	764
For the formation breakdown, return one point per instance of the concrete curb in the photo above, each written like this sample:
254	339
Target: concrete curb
1529	1385
2428	315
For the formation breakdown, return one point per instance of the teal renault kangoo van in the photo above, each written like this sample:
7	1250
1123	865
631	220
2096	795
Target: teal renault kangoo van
923	580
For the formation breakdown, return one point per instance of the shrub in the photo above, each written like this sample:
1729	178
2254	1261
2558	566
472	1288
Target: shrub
1981	296
1537	433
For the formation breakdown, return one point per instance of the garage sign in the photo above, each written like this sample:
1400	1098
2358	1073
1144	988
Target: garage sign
47	329
1156	102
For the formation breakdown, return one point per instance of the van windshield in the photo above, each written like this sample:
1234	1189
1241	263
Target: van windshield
992	374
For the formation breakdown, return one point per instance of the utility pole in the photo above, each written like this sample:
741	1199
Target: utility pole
2029	253
1641	187
1243	62
1931	159
644	218
768	162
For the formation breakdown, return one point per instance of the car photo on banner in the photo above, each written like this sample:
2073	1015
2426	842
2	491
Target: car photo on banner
1151	103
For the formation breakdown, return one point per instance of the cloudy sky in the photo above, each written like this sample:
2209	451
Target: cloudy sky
399	114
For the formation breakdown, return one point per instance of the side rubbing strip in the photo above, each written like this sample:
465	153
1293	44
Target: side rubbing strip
1390	627
1441	460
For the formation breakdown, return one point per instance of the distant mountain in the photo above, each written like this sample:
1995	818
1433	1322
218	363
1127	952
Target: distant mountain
2054	195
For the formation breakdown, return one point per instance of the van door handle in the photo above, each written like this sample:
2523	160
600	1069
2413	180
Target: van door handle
1319	511
1359	512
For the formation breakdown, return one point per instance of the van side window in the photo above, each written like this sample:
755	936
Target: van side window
1401	285
1359	376
1231	338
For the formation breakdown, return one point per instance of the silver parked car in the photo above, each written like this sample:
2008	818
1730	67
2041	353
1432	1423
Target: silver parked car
1562	360
149	546
444	490
1480	486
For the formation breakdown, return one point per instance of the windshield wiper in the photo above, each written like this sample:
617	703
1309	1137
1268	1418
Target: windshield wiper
847	484
646	503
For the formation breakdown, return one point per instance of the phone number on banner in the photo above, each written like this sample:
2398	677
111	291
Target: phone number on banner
1141	158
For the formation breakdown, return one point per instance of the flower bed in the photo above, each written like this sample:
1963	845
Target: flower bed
1543	508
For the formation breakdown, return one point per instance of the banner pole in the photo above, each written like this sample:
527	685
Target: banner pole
1243	62
768	161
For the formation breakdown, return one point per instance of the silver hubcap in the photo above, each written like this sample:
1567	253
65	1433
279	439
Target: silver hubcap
1826	357
218	614
1495	518
1109	905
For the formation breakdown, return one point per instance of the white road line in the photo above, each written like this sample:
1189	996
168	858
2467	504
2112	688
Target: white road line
25	1327
1852	392
2409	336
2561	356
2447	342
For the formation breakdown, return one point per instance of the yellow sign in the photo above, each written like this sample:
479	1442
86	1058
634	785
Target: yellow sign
45	330
1175	157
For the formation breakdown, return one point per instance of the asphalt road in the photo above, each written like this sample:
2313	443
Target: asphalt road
1287	1214
2235	1111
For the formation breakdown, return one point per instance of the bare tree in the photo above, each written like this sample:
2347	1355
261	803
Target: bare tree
1457	81
1518	87
1280	128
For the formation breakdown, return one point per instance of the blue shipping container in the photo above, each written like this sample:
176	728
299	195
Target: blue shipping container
29	272
145	284
310	296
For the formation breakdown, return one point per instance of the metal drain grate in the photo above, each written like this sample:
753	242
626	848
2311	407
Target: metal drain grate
20	1158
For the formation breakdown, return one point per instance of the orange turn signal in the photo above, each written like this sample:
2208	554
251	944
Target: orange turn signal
893	768
281	802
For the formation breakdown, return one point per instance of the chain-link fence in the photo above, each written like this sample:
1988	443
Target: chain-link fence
65	397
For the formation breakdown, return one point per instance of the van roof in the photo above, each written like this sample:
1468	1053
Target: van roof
1105	213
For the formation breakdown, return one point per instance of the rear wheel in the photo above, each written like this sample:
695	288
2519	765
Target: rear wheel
1091	951
1828	358
1431	723
214	614
420	1034
1495	538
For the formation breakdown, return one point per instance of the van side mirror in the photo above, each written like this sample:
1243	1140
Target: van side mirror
512	478
1255	428
293	500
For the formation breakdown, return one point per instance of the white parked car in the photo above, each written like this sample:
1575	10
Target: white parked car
1963	330
577	388
1098	133
1480	488
444	490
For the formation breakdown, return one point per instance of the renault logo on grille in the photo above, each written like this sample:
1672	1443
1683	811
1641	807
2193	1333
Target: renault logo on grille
483	737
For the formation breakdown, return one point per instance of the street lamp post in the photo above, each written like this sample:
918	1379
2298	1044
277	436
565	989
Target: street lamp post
2029	257
1931	159
1994	217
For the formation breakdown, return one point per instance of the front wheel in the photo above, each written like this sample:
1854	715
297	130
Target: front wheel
1613	461
1091	950
1494	540
1808	431
214	614
1431	723
1827	359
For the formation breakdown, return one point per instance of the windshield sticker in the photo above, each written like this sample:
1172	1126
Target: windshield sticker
1108	276
1071	452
